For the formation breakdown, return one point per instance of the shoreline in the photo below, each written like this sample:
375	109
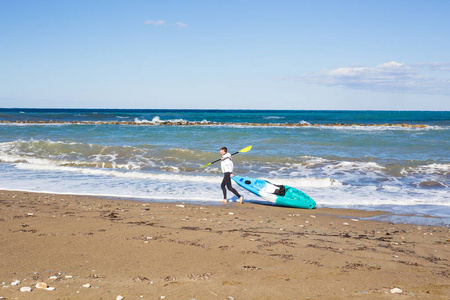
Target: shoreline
149	250
382	215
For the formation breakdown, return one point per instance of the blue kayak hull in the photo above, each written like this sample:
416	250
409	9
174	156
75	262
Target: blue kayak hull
283	195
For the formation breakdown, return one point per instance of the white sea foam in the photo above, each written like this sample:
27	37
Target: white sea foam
57	153
441	169
307	182
348	165
144	121
181	187
7	146
38	165
273	117
331	166
156	120
380	127
309	126
312	160
47	164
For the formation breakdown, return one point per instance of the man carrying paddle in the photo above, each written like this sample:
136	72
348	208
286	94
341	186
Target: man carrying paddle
227	169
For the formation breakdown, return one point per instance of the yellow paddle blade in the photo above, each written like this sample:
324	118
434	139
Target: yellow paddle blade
206	165
246	149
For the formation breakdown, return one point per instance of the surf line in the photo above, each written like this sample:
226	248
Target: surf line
203	123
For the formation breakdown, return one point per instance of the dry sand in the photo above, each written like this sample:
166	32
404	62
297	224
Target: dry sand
182	251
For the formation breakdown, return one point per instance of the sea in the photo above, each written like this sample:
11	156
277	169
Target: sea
364	160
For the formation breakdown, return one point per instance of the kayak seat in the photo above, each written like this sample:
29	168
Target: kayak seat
280	191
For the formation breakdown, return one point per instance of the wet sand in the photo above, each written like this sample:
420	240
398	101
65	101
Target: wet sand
183	251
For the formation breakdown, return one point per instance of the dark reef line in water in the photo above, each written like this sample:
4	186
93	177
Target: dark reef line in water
191	123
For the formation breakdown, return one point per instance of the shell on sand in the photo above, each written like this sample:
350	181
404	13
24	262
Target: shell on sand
41	285
396	291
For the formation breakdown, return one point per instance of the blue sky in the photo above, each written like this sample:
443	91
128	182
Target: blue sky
388	55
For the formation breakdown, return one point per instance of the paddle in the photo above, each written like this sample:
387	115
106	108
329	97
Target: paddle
246	149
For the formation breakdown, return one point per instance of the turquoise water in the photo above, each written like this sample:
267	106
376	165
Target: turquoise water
250	116
401	169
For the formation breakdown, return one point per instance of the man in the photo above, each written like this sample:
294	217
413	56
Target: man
227	169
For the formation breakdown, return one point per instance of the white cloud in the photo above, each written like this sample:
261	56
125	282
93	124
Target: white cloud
387	77
436	66
156	23
179	24
165	24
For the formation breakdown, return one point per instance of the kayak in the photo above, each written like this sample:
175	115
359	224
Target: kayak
283	195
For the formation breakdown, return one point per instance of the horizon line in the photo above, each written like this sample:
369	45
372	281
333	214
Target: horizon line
220	109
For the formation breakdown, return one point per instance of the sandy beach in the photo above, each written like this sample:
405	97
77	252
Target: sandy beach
94	248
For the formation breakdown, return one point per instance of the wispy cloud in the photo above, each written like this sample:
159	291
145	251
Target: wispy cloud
163	23
156	23
437	66
388	77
